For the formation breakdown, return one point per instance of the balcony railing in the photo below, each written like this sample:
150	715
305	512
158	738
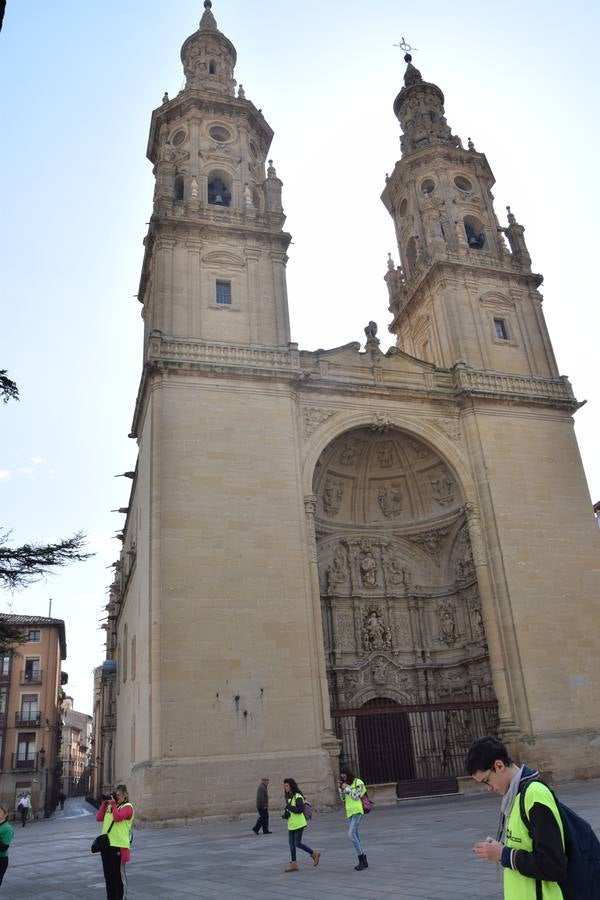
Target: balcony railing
30	719
31	677
29	762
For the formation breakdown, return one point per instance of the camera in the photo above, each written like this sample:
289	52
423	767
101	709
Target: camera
106	797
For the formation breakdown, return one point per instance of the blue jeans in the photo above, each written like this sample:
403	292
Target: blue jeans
295	839
355	821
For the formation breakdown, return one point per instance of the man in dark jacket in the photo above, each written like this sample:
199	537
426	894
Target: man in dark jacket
262	807
534	858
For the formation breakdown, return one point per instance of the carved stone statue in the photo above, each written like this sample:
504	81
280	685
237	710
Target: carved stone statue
194	189
379	671
375	634
448	633
385	455
348	454
337	573
368	570
249	202
332	496
371	330
396	573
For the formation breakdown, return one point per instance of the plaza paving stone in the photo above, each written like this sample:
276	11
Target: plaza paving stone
417	850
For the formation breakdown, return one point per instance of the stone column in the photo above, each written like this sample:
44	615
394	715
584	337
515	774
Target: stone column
163	312
494	637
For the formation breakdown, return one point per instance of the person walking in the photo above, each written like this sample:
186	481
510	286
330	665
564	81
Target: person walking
116	814
24	807
352	790
294	813
6	836
61	799
534	858
262	807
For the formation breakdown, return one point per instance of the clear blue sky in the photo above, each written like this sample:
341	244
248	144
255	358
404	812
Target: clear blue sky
80	80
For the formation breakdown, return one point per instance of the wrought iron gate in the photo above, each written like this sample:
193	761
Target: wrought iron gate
420	748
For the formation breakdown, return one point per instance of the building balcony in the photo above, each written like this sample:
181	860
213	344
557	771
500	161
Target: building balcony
31	677
28	719
27	763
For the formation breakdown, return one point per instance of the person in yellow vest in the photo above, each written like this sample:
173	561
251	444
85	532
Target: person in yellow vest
296	822
352	790
534	860
6	836
117	815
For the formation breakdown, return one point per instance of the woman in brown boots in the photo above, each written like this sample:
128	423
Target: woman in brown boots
296	821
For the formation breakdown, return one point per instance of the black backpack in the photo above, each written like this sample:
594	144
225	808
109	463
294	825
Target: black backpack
583	852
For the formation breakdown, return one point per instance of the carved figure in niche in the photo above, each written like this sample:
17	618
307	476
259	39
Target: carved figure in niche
248	201
375	634
332	496
448	634
337	572
368	570
379	671
464	567
348	454
194	188
385	455
443	490
390	501
477	621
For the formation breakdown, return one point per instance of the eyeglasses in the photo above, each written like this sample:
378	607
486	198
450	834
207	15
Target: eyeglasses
486	778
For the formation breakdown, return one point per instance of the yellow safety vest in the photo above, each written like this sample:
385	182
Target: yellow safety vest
120	833
296	820
355	806
517	886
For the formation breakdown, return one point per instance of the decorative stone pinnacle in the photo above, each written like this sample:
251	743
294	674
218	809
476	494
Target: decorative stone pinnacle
207	4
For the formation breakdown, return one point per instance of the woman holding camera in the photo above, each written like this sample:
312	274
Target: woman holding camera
296	822
352	790
116	815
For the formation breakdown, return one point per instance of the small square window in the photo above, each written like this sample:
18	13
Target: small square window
34	634
501	329
224	293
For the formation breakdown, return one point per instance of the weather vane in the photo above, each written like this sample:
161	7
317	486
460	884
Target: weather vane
406	48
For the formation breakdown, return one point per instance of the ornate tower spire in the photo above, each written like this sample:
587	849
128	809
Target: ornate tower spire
459	294
419	108
209	57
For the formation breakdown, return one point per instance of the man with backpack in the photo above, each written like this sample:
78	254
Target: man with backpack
529	847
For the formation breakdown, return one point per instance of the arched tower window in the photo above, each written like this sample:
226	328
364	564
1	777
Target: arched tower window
212	67
219	189
411	255
474	233
178	188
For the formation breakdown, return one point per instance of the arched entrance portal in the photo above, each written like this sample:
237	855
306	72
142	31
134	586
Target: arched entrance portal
407	660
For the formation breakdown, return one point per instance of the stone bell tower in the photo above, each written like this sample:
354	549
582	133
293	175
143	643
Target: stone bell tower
460	294
218	681
469	304
216	250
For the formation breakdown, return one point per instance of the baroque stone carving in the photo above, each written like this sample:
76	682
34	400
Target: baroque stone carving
337	572
314	417
463	566
450	427
389	498
368	569
379	670
333	495
375	633
385	455
448	630
431	539
442	490
395	571
348	453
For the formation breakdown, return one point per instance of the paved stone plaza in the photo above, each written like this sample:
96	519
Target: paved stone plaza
418	850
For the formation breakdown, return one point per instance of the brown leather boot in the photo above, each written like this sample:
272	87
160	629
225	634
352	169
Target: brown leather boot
291	867
316	856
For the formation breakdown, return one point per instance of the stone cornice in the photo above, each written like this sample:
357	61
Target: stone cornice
348	370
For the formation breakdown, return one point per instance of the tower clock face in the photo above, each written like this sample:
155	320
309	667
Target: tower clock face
220	134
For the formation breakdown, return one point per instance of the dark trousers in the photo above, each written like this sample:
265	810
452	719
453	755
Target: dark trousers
23	810
114	874
295	839
3	866
262	821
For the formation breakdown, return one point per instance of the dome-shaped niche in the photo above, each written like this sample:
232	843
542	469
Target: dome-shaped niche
383	479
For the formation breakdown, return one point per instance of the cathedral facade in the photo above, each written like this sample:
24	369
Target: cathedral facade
345	552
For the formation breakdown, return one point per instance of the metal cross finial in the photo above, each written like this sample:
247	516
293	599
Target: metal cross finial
406	48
